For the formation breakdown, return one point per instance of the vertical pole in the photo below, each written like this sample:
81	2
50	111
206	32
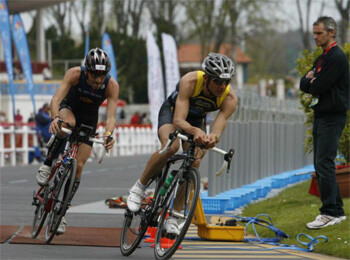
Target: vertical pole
40	36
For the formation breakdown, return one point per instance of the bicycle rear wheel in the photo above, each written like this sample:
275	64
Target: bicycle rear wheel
136	223
186	197
60	204
40	213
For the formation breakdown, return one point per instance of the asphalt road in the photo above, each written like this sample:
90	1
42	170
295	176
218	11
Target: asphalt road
99	182
112	178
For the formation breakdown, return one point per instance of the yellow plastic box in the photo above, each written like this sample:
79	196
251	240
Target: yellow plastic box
213	231
221	233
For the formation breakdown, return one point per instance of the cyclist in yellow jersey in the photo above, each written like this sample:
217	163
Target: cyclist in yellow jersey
196	94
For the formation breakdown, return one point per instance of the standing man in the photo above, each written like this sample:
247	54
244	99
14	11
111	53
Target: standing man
43	121
328	83
76	102
197	93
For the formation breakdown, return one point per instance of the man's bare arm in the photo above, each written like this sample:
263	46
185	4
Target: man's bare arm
112	94
71	78
226	110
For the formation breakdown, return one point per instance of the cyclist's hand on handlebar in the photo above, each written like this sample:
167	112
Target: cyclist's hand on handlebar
200	138
109	141
212	141
55	125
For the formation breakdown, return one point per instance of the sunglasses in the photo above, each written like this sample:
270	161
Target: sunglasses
97	74
219	82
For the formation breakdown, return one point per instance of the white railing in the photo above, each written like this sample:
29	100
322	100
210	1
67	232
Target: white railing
14	143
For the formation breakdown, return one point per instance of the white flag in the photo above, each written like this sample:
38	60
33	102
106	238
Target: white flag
155	79
172	72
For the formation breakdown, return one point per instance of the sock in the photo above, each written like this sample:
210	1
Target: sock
75	188
140	185
54	149
48	162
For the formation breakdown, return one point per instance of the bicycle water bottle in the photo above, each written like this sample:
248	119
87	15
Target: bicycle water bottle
169	179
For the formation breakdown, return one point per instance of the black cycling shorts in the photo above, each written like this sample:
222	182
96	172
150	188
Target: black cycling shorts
166	116
82	117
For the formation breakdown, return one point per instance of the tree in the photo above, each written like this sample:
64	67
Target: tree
59	13
344	11
216	22
81	7
118	8
202	17
135	10
128	16
304	26
163	15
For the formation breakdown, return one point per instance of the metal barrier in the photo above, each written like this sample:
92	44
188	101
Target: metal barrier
16	143
267	135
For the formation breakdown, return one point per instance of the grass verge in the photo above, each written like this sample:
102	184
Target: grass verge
291	209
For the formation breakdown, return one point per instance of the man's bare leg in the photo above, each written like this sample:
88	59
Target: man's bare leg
154	165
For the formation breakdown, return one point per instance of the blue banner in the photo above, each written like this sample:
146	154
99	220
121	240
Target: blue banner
20	39
87	40
108	48
6	43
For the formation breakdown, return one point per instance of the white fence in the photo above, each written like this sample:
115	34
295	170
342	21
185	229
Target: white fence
130	141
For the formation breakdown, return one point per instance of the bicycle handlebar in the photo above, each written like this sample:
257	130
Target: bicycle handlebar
91	139
227	155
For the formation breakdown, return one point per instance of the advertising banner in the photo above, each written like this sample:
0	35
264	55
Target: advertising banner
20	39
108	48
5	35
87	41
172	71
155	78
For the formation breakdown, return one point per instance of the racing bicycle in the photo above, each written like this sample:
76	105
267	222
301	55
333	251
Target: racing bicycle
49	201
184	187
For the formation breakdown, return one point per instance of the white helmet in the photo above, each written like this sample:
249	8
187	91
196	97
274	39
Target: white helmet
218	66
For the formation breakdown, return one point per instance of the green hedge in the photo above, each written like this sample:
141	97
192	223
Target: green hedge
304	64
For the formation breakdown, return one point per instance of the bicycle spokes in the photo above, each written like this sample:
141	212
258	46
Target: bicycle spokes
176	216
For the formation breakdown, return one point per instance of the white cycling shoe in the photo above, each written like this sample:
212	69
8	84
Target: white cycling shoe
43	174
62	227
135	198
171	226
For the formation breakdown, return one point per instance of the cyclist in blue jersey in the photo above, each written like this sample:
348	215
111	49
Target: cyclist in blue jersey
76	102
197	93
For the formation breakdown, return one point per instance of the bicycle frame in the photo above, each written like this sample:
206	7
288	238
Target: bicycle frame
69	153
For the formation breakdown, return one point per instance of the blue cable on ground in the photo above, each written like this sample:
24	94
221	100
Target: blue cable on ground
269	241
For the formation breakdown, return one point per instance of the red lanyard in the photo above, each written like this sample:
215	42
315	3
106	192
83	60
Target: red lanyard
319	62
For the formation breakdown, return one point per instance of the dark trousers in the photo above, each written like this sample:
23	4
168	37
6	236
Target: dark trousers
326	136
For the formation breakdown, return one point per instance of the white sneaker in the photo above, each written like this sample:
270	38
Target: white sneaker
135	198
322	221
171	226
342	218
62	227
43	174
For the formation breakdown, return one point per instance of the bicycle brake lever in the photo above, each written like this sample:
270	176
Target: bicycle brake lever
109	138
228	158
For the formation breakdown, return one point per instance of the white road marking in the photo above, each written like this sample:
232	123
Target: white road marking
98	207
18	181
103	170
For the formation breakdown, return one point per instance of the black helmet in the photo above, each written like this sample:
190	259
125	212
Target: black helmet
218	66
97	62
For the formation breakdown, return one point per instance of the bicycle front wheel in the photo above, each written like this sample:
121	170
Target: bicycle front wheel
180	205
40	213
136	223
60	203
